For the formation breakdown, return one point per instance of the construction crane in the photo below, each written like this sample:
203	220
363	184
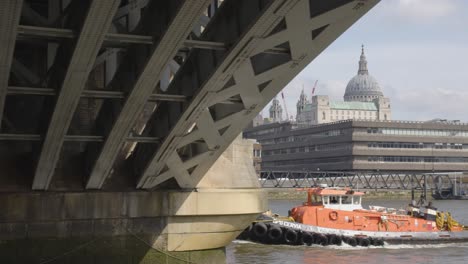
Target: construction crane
285	108
313	89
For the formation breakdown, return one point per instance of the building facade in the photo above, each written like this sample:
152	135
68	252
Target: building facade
276	111
363	100
359	145
257	157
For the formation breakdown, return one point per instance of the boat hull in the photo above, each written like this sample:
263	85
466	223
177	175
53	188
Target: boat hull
389	237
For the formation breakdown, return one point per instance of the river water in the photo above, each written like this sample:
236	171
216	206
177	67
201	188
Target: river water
248	252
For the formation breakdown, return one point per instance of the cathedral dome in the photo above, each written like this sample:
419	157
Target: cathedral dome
362	87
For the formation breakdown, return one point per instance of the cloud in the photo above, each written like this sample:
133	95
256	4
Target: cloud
424	9
436	103
416	52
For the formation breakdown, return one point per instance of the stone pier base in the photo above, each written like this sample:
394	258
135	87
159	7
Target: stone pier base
90	250
124	227
135	226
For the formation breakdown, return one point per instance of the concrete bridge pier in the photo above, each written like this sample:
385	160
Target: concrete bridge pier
114	115
167	226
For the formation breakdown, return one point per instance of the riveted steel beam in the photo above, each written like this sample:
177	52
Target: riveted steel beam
10	12
74	138
96	25
98	94
304	28
171	40
169	161
111	39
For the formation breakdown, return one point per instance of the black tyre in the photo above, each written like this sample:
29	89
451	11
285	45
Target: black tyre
306	239
244	235
331	239
352	241
338	241
315	238
378	242
323	240
290	236
274	234
363	242
259	230
344	239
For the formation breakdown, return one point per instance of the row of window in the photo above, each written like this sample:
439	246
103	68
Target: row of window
329	133
349	113
418	132
360	118
311	148
253	134
360	97
417	145
304	162
301	138
417	159
324	116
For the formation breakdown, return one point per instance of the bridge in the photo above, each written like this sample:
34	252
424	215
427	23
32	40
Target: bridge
118	119
390	180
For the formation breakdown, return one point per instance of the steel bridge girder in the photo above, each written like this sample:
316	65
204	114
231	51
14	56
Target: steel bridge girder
96	25
244	70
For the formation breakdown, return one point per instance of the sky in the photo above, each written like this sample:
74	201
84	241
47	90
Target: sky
416	49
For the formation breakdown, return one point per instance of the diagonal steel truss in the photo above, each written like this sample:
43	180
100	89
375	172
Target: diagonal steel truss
134	104
10	11
143	92
207	125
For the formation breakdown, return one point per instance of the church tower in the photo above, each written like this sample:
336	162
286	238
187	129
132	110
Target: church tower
276	112
301	104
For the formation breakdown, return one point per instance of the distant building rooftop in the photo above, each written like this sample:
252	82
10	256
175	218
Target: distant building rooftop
353	105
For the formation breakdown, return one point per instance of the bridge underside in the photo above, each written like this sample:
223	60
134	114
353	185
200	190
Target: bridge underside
117	94
125	96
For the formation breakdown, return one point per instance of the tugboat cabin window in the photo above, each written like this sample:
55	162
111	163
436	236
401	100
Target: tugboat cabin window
317	199
325	199
357	199
346	199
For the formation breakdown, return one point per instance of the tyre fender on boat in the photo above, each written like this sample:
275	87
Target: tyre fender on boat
338	241
352	241
290	236
331	239
344	239
378	242
260	230
274	234
323	240
244	234
363	242
333	215
315	238
306	238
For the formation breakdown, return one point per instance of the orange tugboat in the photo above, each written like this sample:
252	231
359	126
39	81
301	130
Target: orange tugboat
335	215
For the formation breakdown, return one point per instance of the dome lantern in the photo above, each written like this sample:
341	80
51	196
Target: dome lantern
363	63
362	87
